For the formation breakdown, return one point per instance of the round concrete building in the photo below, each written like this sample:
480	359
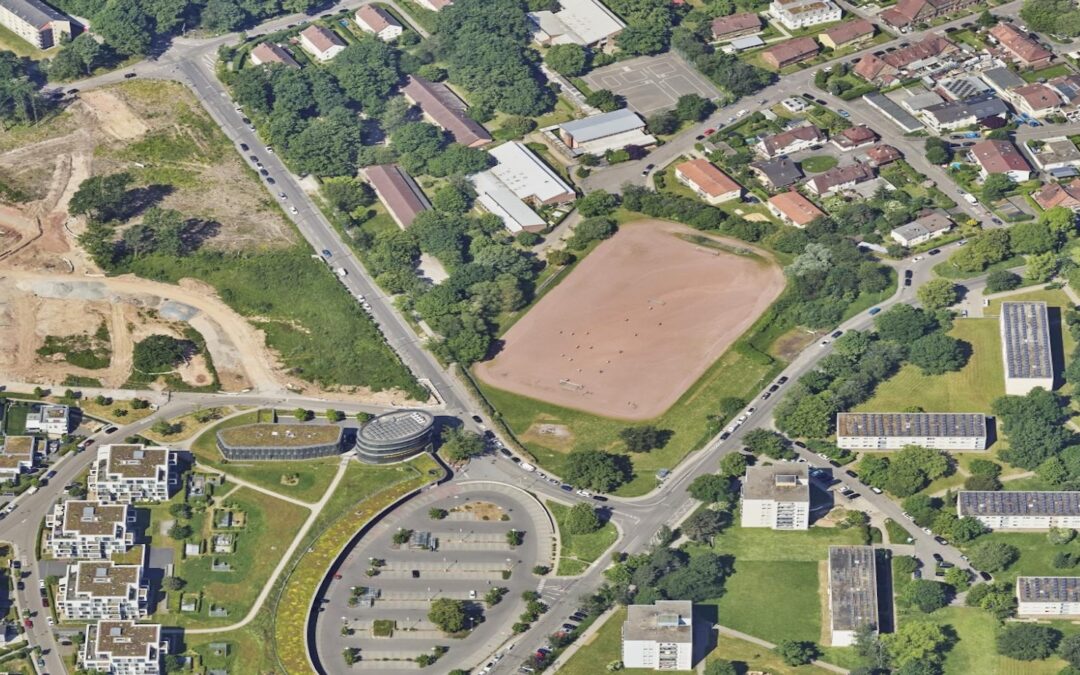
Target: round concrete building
280	441
395	436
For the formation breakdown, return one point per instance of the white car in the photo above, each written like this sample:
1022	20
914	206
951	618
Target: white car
750	411
292	210
730	429
472	594
584	493
741	418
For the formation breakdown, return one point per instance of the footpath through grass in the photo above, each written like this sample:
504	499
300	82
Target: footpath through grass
578	551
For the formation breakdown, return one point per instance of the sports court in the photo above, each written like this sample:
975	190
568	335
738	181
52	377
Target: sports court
651	83
636	323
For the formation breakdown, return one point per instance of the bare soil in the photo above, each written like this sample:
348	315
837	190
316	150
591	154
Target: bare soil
636	323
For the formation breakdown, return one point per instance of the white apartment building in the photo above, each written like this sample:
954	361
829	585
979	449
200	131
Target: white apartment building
123	648
659	636
777	497
893	431
795	14
1048	596
34	21
88	530
853	602
17	455
133	473
1021	510
48	419
1026	347
95	590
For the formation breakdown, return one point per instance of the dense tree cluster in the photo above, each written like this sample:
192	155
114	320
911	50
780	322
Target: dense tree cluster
1035	424
905	472
80	57
20	100
648	25
689	108
1060	17
1047	234
729	72
597	470
667	574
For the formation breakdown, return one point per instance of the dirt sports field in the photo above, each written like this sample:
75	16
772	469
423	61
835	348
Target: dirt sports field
636	323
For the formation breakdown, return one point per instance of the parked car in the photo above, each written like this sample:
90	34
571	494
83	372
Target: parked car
566	488
942	540
938	558
766	395
837	334
875	490
782	380
852	474
853	495
875	310
985	576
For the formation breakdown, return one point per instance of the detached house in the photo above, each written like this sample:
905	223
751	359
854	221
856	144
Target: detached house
709	182
792	140
1000	157
1019	47
377	21
854	137
794	209
266	53
1054	194
321	43
839	179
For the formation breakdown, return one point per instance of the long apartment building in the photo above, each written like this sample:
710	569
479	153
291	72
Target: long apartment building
853	601
777	497
893	431
123	648
1048	596
1020	510
133	473
795	14
99	589
88	530
1025	345
34	21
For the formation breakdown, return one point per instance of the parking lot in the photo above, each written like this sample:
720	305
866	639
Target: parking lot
651	83
462	556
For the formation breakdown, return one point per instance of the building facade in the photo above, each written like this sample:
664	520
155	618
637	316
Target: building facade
17	456
34	21
796	14
777	496
322	43
88	530
95	590
378	22
54	420
267	441
395	436
123	648
707	181
893	431
659	636
133	473
1048	596
1021	510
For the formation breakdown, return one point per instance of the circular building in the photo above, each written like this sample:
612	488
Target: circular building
280	441
395	436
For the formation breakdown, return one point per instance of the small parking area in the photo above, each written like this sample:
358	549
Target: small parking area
462	556
651	83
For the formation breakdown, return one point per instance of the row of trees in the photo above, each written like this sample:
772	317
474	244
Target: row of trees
1041	239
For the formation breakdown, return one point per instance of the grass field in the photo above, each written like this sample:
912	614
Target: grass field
15	418
1036	554
579	550
818	163
971	389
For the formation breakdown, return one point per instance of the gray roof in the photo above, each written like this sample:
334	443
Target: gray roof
781	171
922	100
33	12
748	42
603	125
972	503
1048	589
1025	331
985	106
897	114
911	425
965	87
665	621
397	425
787	482
1002	78
948	112
852	587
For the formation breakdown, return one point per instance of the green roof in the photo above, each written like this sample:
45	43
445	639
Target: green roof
279	435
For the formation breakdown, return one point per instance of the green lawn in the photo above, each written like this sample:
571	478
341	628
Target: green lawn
579	550
15	418
818	163
1046	73
773	600
975	651
1036	554
898	534
948	271
971	389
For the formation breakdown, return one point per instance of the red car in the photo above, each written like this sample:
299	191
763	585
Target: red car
708	132
27	623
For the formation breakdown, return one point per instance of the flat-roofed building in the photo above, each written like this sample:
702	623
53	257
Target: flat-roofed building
17	455
378	22
921	230
707	181
268	441
777	496
893	431
54	420
322	43
890	109
794	209
795	14
726	28
659	636
443	108
267	53
597	134
518	182
1025	345
93	590
35	22
853	602
123	648
581	22
88	529
1020	510
398	192
1048	596
1048	154
790	52
394	436
129	473
1001	80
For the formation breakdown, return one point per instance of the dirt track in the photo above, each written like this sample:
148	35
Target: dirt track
635	324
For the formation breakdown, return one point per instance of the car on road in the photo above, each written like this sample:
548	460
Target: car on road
505	453
996	221
938	558
766	395
907	282
843	113
853	495
50	620
472	594
946	565
942	540
110	430
907	515
254	158
933	251
908	274
773	388
477	419
917	574
264	172
292	210
128	76
699	137
553	481
820	101
565	487
750	411
41	584
985	576
726	435
568	627
27	623
583	493
782	380
837	334
824	343
244	147
600	498
647	169
282	196
708	132
875	490
326	253
807	96
874	310
852	474
927	530
961	242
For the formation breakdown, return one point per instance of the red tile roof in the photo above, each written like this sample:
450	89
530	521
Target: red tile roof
447	110
796	208
321	38
883	154
852	30
1019	44
710	179
778	143
1059	195
398	191
268	52
736	23
1038	96
999	157
791	51
376	18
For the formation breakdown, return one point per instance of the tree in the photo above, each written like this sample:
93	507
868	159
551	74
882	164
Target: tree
180	510
436	513
925	594
999	598
303	414
180	531
453	199
1041	267
166	428
720	667
1028	641
937	151
101	197
596	470
768	443
448	614
1069	649
993	556
1002	280
938	294
1059	536
966	529
582	519
159	353
693	108
733	465
515	538
809	416
604	99
663	123
903	323
1033	236
597	203
569	59
986	19
916	640
402	536
125	26
797	653
938	353
959	578
644	438
996	186
459	445
173	583
704	525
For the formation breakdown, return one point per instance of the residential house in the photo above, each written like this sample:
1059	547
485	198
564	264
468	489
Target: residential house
35	22
581	22
54	420
849	33
794	209
322	43
921	230
1036	100
778	173
796	14
267	53
1002	80
993	156
925	53
443	108
776	496
599	133
1058	194
915	100
986	110
130	473
1068	88
1054	153
707	181
793	140
88	530
519	179
1017	510
790	52
725	28
839	179
659	636
854	137
94	590
880	155
963	87
1019	47
123	648
908	12
17	455
377	21
398	192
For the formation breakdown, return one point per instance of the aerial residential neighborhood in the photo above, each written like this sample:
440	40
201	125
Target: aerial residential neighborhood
493	337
